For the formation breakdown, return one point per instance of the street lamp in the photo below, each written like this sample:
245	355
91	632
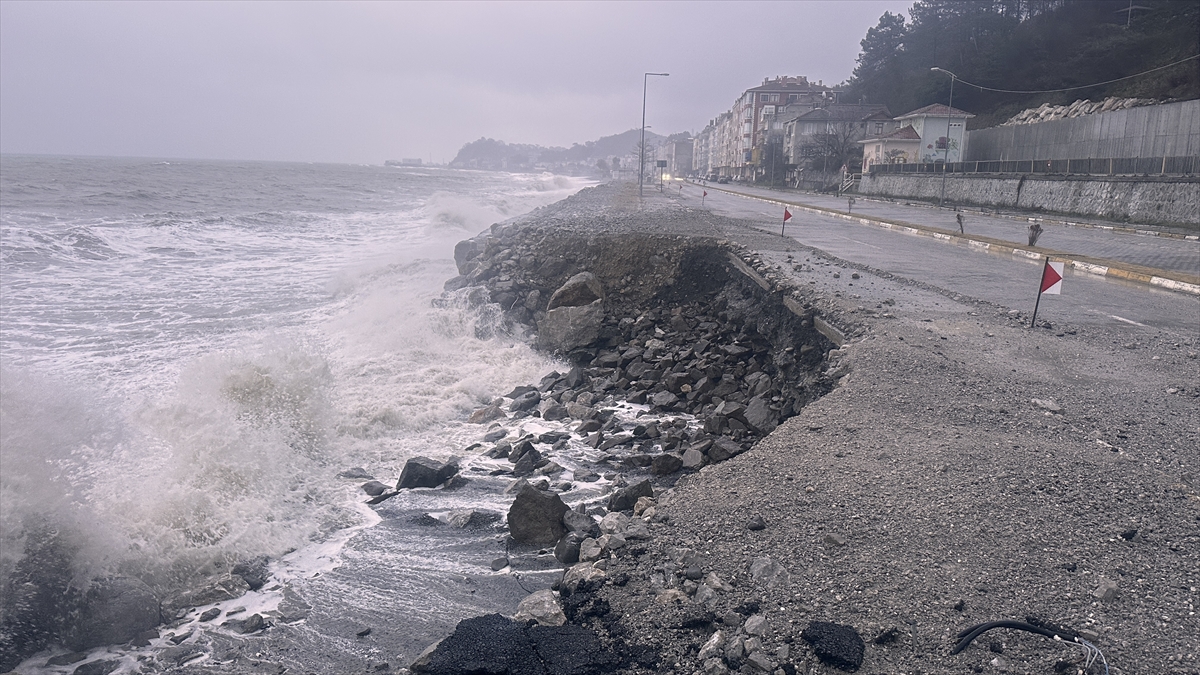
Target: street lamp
642	147
949	111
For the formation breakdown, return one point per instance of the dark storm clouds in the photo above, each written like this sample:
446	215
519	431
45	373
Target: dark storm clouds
364	82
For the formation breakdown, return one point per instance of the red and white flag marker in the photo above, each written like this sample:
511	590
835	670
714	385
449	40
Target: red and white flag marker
702	197
1052	278
787	215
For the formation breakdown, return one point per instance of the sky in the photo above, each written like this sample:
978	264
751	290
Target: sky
363	82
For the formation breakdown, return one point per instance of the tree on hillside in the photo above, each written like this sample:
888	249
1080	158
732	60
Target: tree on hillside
1026	45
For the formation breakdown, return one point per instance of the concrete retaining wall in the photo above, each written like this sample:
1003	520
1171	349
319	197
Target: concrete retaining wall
1169	130
1139	200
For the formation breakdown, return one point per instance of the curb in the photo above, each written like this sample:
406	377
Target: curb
1175	281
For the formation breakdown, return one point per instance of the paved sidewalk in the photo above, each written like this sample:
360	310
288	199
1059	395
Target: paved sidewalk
1108	249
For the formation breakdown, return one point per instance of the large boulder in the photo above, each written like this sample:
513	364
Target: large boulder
535	517
581	289
466	250
760	416
567	328
425	472
115	610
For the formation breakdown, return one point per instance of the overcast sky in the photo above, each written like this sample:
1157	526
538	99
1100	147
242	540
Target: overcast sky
365	82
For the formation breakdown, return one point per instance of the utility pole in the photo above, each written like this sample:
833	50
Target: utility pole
642	146
949	112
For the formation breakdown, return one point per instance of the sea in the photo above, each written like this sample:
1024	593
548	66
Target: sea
192	351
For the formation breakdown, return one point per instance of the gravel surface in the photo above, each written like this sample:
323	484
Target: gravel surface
967	469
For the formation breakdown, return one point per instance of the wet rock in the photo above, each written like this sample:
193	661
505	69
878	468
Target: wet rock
101	667
525	401
471	519
580	290
836	645
253	572
566	551
541	607
210	614
665	463
227	587
356	473
535	517
756	523
423	472
374	488
114	610
499	564
495	645
66	659
487	414
625	498
566	328
581	523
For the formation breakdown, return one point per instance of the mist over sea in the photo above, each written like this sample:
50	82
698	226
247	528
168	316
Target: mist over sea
190	351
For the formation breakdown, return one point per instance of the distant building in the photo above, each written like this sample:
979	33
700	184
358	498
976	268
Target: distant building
939	143
901	146
678	155
404	162
817	135
727	146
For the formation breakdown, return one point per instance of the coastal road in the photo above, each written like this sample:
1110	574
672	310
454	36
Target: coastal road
1174	253
958	268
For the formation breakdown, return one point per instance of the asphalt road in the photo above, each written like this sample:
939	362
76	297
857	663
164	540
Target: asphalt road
1086	299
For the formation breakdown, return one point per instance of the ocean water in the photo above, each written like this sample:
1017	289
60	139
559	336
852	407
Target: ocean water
191	351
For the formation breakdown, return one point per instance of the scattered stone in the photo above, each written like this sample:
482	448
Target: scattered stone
626	498
756	523
499	564
422	472
357	473
756	625
834	644
643	504
833	540
210	614
1047	404
541	607
768	573
1106	591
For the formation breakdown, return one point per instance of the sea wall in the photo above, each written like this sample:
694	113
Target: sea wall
1151	200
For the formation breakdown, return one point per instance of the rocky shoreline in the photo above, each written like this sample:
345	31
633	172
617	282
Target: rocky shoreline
934	489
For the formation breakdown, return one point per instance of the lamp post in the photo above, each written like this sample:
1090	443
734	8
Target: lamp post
949	111
642	146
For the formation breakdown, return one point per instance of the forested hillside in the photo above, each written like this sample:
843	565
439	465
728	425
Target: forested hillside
1025	45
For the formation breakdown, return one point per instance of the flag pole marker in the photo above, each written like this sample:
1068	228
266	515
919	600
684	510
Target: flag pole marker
1051	284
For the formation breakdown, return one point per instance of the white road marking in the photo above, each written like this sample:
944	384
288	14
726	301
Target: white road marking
1129	321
